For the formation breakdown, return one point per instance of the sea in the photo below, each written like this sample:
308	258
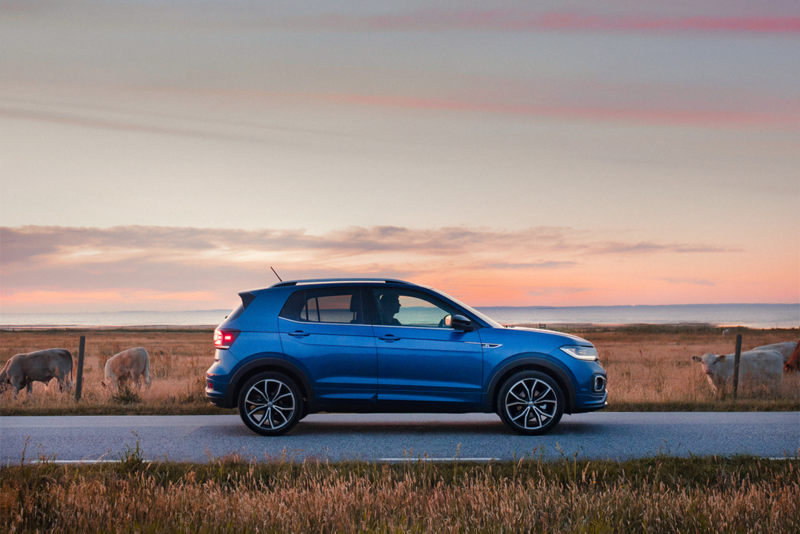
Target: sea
748	315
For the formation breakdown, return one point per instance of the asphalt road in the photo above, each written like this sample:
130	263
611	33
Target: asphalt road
391	437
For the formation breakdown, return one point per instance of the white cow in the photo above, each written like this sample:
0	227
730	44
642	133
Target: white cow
757	369
786	349
131	363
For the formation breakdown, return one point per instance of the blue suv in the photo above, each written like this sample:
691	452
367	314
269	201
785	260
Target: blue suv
368	345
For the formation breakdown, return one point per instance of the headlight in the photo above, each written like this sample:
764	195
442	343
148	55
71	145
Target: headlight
581	353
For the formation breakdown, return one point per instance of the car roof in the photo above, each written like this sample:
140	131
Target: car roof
313	281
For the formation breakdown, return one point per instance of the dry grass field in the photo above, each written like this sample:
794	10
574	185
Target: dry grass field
649	368
178	361
660	494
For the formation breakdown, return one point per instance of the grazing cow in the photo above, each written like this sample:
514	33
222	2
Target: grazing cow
762	368
726	332
786	349
793	365
131	363
22	370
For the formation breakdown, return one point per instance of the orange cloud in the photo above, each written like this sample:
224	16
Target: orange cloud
140	267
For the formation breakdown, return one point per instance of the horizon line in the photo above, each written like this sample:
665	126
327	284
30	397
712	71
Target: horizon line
476	307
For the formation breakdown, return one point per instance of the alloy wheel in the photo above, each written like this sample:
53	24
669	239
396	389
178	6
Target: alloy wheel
269	404
531	404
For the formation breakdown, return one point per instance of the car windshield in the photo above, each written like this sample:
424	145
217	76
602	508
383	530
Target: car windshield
491	322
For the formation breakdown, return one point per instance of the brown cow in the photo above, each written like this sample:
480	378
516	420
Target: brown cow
131	363
22	370
793	365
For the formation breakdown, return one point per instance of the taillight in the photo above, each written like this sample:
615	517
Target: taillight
223	339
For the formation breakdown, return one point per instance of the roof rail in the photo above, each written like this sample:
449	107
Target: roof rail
336	280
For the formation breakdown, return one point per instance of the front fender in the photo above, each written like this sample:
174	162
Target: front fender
534	361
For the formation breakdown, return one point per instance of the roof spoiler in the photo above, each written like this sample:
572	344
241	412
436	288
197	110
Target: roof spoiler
248	297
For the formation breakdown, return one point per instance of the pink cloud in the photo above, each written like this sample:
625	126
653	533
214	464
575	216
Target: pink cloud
672	111
638	115
47	297
519	20
50	268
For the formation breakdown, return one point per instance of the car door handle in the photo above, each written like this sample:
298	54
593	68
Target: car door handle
389	338
298	333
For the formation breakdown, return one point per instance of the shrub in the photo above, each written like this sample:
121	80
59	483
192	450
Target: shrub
125	395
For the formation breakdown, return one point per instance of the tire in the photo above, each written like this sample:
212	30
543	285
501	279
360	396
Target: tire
270	404
531	412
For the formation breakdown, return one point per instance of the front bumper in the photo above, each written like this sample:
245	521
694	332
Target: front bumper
591	404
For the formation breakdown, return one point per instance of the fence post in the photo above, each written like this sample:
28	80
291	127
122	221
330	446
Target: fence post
736	359
79	376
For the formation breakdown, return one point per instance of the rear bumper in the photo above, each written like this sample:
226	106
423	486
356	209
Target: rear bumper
216	393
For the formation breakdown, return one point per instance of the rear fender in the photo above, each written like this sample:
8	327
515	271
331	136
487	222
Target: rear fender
266	362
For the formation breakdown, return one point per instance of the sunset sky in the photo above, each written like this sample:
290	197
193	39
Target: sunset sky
162	155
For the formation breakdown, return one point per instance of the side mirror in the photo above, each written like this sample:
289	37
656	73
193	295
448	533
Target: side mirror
459	322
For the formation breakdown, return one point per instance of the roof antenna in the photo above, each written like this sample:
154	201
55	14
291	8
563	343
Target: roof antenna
276	274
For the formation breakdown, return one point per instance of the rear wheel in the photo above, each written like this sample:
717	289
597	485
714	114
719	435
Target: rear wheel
531	403
270	404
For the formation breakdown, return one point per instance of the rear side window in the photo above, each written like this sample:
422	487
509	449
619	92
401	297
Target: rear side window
325	306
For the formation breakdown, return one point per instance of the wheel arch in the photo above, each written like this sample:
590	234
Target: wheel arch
264	363
532	363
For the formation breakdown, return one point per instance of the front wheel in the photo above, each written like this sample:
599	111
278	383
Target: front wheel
270	404
531	403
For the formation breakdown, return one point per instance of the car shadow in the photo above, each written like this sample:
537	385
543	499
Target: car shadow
317	428
434	428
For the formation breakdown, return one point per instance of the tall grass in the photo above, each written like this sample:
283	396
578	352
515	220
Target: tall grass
649	368
659	494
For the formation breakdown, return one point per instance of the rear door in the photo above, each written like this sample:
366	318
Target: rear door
323	332
420	359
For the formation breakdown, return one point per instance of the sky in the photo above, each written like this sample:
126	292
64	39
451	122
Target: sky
162	155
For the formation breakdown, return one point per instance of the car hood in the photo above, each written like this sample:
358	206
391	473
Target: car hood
537	339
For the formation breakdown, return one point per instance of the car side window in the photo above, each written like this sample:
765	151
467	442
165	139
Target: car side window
397	307
325	306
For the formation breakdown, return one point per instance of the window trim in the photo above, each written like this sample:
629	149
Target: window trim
358	292
375	316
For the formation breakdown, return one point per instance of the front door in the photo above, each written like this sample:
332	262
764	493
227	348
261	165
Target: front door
420	359
323	332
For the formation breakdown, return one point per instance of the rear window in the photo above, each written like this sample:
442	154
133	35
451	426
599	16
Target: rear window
237	311
325	306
